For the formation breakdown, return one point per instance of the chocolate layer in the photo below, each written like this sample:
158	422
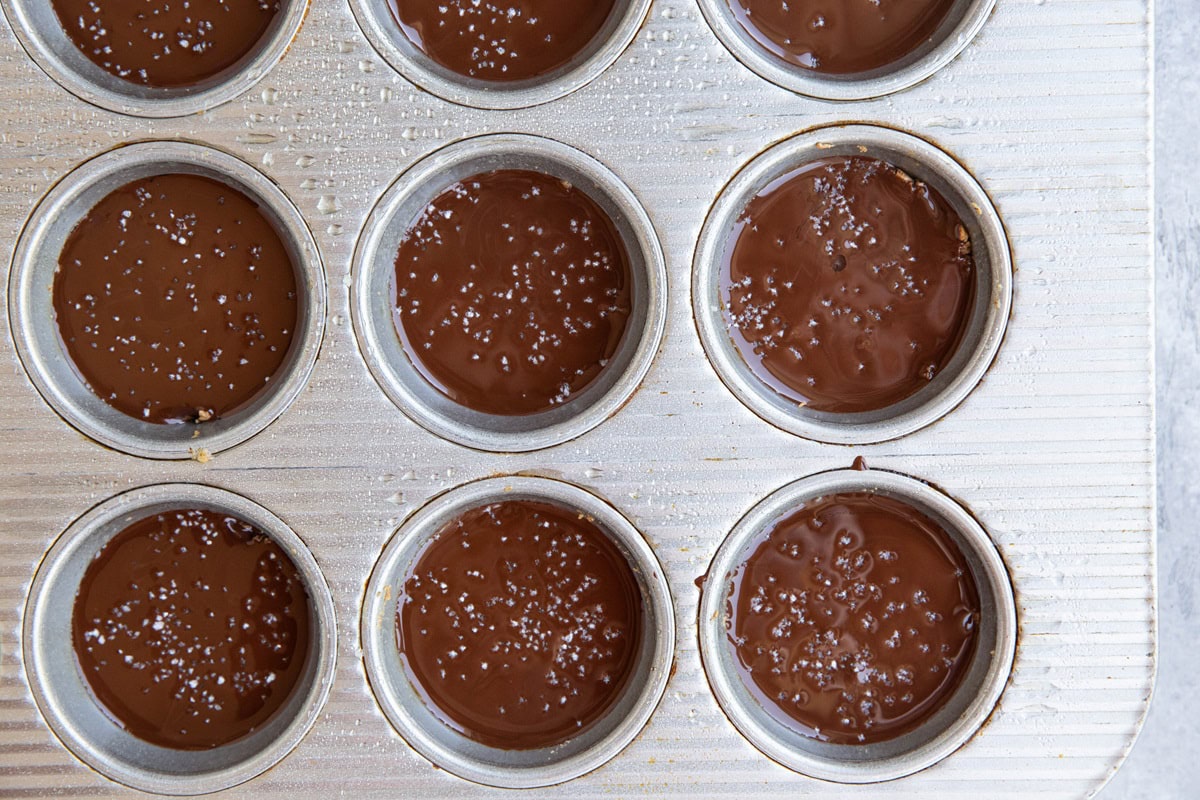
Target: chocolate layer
841	37
502	42
512	292
520	622
847	285
854	618
176	299
166	43
191	627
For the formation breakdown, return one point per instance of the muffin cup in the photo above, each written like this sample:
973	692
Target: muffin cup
66	701
402	703
39	342
961	25
945	731
987	319
374	298
380	26
41	34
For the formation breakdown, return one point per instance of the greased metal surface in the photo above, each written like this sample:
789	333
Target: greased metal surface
1052	451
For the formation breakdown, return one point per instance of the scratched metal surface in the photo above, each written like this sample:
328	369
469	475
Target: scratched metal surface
1054	452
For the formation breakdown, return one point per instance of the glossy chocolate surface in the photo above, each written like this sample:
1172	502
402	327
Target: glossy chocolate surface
847	285
841	37
501	41
176	299
520	623
513	291
854	618
166	43
191	628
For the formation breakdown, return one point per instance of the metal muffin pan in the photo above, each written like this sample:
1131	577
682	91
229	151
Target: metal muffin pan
66	701
40	32
965	20
1051	451
985	323
944	732
379	25
36	334
520	769
374	295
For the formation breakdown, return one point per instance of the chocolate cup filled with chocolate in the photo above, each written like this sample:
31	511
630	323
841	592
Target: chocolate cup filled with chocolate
80	675
157	59
492	56
211	322
901	642
852	335
590	571
578	285
845	49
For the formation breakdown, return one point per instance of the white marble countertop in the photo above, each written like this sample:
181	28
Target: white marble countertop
1164	763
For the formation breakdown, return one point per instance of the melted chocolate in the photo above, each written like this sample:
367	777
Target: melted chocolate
520	622
841	36
848	285
191	628
176	299
854	619
501	41
512	292
166	43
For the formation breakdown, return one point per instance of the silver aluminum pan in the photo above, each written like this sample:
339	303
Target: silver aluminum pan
945	731
985	323
66	701
1052	452
36	26
39	343
379	25
447	748
373	294
964	21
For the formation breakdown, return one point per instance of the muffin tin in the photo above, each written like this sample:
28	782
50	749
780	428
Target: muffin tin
456	753
986	320
40	345
965	19
90	733
946	730
1043	117
38	30
373	294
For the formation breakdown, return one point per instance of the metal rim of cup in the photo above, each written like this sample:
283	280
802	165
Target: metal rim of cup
40	33
403	704
963	23
379	25
948	729
985	327
35	331
372	299
67	703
